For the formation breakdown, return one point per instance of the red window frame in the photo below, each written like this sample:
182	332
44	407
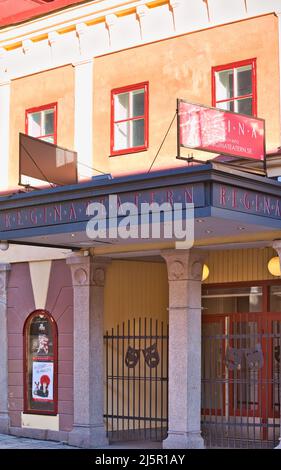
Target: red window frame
127	89
26	329
37	109
235	65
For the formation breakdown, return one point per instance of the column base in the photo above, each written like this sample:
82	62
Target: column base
183	440
4	423
88	437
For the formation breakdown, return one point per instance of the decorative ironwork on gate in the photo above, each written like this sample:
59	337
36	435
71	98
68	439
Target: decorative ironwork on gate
241	380
136	380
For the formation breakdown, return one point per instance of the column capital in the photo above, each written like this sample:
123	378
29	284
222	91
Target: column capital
276	245
88	270
184	264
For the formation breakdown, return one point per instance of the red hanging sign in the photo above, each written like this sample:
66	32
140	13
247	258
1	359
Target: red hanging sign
222	132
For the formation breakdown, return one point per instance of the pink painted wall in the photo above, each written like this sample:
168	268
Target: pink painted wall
60	305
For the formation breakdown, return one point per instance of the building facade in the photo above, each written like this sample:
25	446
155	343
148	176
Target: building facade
121	339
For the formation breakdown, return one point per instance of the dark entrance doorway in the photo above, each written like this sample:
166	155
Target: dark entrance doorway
136	380
241	367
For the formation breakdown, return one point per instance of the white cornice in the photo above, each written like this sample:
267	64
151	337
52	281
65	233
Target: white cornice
95	28
66	18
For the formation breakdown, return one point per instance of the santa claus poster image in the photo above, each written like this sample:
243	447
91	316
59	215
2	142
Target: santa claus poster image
42	381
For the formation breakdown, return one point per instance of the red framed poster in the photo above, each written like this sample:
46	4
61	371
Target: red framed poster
40	364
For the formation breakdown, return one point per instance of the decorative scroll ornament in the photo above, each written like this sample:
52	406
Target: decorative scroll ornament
233	359
252	358
151	356
132	357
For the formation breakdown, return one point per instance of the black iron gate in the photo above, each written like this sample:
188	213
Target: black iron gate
136	380
241	380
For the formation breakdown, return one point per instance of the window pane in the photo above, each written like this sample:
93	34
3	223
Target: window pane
138	102
121	106
34	124
224	85
49	138
48	119
245	106
275	298
244	80
138	132
227	105
121	136
232	300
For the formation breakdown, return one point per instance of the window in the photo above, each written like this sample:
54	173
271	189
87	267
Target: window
40	364
234	87
129	119
42	123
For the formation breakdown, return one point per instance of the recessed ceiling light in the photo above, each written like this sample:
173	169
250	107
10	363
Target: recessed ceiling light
200	221
241	228
73	235
209	231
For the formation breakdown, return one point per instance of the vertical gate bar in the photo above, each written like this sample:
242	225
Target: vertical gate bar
167	376
210	390
139	377
144	391
256	378
259	393
128	386
272	381
267	385
227	375
248	382
161	383
222	379
242	343
106	374
134	374
212	373
202	416
156	383
117	380
150	385
112	381
123	376
279	379
261	374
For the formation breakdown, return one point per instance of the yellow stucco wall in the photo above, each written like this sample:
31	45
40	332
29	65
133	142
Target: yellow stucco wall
181	67
135	289
239	265
55	85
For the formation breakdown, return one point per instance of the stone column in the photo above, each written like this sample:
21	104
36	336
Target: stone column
277	246
184	274
4	414
88	277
